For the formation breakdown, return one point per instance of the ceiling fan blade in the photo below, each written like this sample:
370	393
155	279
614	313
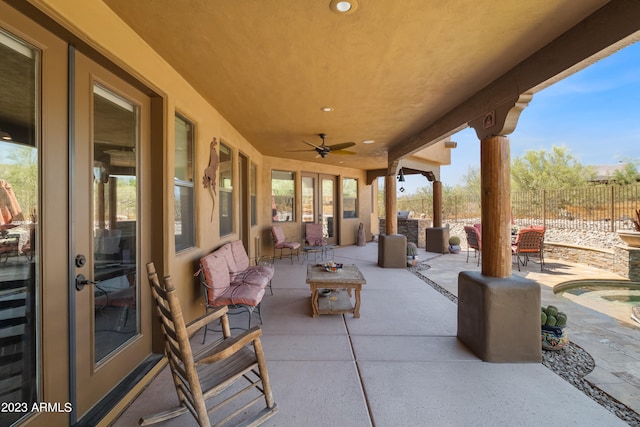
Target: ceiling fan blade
313	145
341	146
300	151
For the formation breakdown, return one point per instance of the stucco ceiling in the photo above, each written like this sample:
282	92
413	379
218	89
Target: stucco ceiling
388	70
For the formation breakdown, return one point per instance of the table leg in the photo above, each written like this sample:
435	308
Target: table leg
315	309
356	308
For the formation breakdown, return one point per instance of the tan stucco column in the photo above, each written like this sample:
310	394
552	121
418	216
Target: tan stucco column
495	170
390	206
437	203
498	313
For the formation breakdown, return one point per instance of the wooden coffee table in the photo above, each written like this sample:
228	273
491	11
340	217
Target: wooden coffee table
338	302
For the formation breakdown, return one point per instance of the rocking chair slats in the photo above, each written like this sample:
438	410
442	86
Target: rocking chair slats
206	374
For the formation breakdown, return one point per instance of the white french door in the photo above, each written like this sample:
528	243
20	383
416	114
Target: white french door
110	183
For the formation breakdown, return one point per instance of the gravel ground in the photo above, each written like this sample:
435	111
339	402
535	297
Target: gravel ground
572	363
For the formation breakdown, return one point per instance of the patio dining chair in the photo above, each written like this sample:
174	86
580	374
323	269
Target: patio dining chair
529	241
210	375
280	242
474	241
313	235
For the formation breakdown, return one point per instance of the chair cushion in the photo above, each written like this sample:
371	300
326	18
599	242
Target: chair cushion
216	275
278	235
239	295
251	277
240	256
313	235
225	253
265	270
288	245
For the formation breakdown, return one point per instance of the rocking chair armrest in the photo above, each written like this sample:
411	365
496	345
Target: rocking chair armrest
231	346
201	321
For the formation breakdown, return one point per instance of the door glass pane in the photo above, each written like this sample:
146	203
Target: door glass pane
308	202
327	206
19	234
115	207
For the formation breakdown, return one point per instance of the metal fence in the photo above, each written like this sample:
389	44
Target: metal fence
601	208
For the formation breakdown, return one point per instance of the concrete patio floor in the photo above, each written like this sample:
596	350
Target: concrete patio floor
400	363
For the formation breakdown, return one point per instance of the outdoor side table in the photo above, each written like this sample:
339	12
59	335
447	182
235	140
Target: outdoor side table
338	302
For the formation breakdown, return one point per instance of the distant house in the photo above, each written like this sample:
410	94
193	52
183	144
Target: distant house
604	173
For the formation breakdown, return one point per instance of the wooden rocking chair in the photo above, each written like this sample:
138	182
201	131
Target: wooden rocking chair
203	376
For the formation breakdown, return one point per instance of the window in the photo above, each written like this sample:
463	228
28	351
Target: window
349	198
183	191
253	178
225	189
283	196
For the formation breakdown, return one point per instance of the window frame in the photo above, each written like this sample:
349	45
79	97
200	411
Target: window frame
190	240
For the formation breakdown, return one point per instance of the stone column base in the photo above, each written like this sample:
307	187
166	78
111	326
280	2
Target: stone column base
499	318
392	251
437	240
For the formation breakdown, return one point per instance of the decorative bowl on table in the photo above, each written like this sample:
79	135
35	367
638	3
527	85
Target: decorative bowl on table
324	292
333	267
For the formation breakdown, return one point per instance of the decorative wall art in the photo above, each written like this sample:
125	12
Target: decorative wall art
211	172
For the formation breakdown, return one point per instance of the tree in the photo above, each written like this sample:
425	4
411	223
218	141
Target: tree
628	174
472	180
540	169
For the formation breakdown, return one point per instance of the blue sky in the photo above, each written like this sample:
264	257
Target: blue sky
595	113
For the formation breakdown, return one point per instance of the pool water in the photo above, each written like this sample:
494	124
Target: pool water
614	298
610	293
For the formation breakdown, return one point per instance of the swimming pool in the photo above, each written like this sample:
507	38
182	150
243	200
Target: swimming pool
614	298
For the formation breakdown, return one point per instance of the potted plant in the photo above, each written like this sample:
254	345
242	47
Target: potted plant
412	254
553	322
454	245
632	237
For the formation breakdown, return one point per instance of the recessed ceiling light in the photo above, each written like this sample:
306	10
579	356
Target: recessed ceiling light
368	141
326	109
343	6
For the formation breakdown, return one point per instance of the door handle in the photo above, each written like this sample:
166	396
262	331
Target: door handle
82	281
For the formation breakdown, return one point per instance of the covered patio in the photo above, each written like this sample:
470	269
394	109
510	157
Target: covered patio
400	363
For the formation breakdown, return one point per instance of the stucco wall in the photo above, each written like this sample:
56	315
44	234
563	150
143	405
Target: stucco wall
110	37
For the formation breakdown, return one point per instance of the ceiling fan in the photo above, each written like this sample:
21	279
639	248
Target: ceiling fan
325	149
